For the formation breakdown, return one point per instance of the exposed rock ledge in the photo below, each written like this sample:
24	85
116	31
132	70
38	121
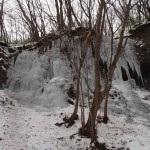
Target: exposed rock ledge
142	34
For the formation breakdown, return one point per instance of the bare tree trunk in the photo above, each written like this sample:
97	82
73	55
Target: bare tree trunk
105	119
58	14
2	28
74	114
69	14
112	66
62	23
30	21
90	129
82	106
78	71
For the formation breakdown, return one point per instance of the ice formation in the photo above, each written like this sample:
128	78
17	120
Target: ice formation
44	79
39	79
127	59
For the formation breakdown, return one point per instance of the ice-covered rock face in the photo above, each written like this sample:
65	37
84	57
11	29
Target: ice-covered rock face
141	34
43	80
32	79
128	59
5	51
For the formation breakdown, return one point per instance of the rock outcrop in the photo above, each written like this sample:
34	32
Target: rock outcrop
6	52
4	64
141	34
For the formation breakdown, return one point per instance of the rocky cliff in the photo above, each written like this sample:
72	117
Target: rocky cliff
141	33
4	62
60	41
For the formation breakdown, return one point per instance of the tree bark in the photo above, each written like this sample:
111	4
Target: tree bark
112	66
31	21
90	129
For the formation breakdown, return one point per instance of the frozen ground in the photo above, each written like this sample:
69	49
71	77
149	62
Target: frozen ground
23	128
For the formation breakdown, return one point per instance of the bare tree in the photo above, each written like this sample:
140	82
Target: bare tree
70	14
30	19
1	16
113	62
3	32
90	128
99	17
59	14
77	63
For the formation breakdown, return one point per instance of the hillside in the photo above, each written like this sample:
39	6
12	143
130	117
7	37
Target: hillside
41	84
29	128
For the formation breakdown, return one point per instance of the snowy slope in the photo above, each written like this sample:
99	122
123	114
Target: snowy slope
40	85
28	129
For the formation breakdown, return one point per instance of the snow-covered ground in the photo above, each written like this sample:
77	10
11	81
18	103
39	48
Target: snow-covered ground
38	86
23	128
27	129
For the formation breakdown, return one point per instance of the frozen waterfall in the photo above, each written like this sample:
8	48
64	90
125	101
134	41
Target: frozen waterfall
43	80
40	79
